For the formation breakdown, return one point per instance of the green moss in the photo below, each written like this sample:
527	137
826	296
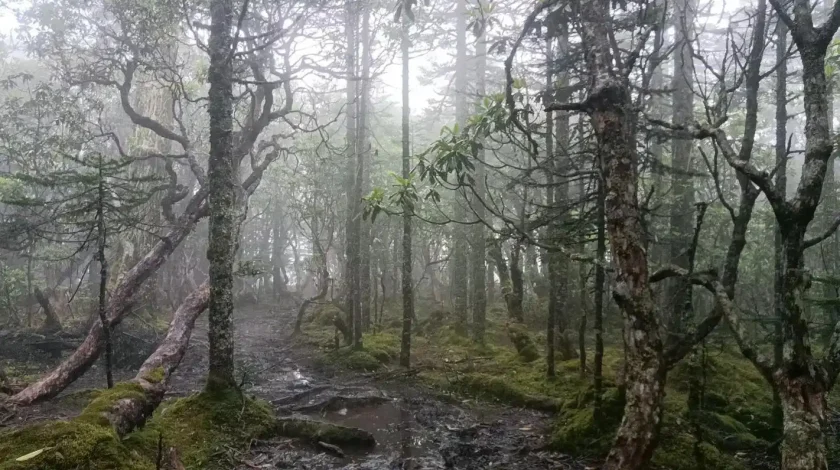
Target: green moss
155	375
522	341
497	388
68	445
325	315
207	428
682	451
576	433
384	346
98	409
351	359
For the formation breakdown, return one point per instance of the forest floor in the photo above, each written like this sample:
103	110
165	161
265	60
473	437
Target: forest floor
415	426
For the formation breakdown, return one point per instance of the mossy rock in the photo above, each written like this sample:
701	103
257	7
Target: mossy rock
325	315
384	346
205	428
522	341
682	451
351	359
577	432
499	388
68	445
725	432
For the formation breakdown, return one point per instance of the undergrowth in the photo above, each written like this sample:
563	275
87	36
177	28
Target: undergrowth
733	419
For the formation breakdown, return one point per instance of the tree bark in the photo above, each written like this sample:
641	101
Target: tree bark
52	323
679	290
478	243
223	179
153	377
459	258
407	286
805	417
365	158
103	281
352	247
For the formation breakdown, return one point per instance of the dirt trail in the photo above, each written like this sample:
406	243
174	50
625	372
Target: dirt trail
414	427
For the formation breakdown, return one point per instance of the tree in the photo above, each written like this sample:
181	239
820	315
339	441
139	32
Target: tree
407	280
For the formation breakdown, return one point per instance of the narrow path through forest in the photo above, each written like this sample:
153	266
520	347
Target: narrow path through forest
415	428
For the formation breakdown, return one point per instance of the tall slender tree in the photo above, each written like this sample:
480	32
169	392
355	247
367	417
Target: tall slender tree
223	180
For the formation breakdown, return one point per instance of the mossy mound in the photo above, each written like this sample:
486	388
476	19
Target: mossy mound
576	430
358	360
68	445
207	428
497	388
87	441
324	315
384	346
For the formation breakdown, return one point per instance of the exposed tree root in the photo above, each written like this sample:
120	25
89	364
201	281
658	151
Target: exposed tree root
316	431
335	403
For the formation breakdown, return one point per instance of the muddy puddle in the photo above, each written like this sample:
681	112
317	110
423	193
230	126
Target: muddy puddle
413	429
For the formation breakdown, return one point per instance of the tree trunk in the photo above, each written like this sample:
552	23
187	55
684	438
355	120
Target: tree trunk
509	278
478	244
553	275
223	179
365	158
781	187
600	285
52	323
611	117
460	243
118	305
153	377
103	281
679	291
804	407
407	287
351	277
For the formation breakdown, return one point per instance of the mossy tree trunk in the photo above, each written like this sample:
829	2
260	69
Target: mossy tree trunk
781	187
407	280
478	243
510	278
353	178
610	111
223	179
801	380
102	308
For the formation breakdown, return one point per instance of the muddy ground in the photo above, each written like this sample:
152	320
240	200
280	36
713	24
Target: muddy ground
415	427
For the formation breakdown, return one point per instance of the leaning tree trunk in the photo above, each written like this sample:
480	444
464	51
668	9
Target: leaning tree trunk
118	305
153	377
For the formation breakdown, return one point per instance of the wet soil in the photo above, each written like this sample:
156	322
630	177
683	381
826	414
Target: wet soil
415	427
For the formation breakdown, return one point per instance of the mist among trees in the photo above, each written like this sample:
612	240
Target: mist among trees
556	234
